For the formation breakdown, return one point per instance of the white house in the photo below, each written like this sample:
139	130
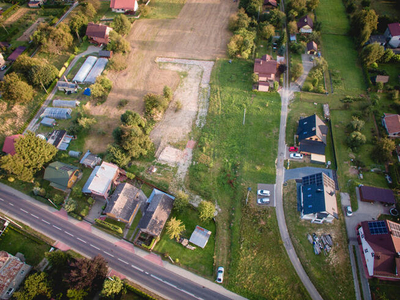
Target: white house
392	35
124	6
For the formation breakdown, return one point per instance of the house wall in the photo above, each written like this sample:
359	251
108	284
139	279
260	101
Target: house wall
395	41
306	29
368	252
118	10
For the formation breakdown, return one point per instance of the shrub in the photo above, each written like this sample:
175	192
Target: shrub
307	87
122	103
395	95
107	225
58	199
85	211
178	106
70	205
144	10
168	93
90	200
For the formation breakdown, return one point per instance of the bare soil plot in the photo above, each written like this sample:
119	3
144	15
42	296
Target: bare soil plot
16	16
25	36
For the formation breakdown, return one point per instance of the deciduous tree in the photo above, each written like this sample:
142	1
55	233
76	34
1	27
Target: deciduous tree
267	31
372	53
121	24
383	150
206	210
35	286
42	75
181	201
175	228
15	90
296	71
77	23
118	44
112	287
356	124
363	23
356	139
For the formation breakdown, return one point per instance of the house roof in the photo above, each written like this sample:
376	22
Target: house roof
17	52
370	193
315	147
303	21
157	213
90	159
59	174
124	201
48	122
100	179
382	78
265	66
392	122
380	39
384	239
312	126
9	269
9	142
56	137
105	53
394	29
98	31
270	2
312	46
319	194
123	4
200	236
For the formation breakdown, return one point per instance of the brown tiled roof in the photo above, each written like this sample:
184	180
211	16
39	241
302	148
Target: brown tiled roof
392	123
370	193
98	31
265	65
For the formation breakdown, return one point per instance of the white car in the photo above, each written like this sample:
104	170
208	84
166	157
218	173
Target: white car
296	155
349	211
263	201
220	275
3	68
263	193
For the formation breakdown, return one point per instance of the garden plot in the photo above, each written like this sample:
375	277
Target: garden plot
26	35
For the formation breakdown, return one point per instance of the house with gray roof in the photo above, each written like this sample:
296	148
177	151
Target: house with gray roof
125	202
90	160
317	199
61	176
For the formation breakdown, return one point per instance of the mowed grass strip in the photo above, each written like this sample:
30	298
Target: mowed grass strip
165	9
330	13
230	157
331	274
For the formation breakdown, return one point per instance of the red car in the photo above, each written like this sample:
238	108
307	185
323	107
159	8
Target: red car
293	149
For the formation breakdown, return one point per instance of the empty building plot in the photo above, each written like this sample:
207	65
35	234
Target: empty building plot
96	70
85	69
66	103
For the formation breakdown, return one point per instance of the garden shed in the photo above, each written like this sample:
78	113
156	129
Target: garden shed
49	122
66	103
96	70
57	113
200	236
85	69
67	86
75	154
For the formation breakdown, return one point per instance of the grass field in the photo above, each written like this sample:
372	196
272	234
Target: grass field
229	158
386	7
165	9
331	13
330	274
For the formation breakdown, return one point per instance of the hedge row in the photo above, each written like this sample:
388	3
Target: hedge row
139	292
108	225
9	11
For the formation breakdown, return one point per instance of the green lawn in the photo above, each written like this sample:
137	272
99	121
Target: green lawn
229	158
200	260
386	7
165	9
328	273
14	241
332	14
393	70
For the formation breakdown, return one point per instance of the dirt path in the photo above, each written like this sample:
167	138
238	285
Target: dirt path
21	11
25	36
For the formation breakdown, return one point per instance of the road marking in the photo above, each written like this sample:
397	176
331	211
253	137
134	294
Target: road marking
190	294
23	210
44	221
174	286
10	203
108	254
1	199
147	273
68	233
94	247
81	240
34	216
170	284
137	268
158	278
123	261
56	227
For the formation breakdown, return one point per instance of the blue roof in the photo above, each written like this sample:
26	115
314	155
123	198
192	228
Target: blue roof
85	189
48	122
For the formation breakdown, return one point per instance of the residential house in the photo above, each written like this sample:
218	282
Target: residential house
61	176
380	242
35	3
102	179
269	4
311	134
8	146
124	6
266	68
392	35
90	160
125	202
318	199
312	48
305	24
98	33
16	53
156	215
12	272
391	122
374	194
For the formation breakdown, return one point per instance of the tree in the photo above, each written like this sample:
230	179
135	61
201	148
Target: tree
77	23
118	44
175	228
35	286
135	141
363	23
131	118
296	71
53	39
206	210
15	90
42	74
113	286
31	154
267	31
277	18
76	294
144	10
70	205
87	274
383	150
181	201
312	4
168	94
155	105
357	124
117	62
58	259
387	56
372	53
242	43
117	155
239	20
24	64
356	139
122	25
292	27
101	88
89	10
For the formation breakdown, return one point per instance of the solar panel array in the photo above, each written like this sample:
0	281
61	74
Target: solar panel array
313	179
378	227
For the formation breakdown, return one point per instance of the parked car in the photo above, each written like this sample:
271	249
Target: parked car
263	193
349	211
293	149
263	201
296	155
3	68
220	275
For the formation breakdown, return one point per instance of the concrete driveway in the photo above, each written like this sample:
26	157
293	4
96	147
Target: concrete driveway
301	172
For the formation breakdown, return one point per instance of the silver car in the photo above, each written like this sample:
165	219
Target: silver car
263	201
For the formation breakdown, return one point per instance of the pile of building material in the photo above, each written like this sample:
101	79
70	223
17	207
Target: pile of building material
321	243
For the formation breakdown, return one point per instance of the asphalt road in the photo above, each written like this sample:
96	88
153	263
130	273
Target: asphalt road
163	282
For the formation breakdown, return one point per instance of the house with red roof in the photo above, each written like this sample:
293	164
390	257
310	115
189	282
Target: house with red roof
124	6
305	24
392	35
270	4
380	245
9	142
391	122
98	33
266	68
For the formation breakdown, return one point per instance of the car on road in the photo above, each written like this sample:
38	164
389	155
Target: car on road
349	211
263	193
293	149
263	201
296	155
220	275
3	68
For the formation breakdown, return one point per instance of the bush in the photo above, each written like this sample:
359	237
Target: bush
70	205
85	211
76	216
178	106
307	87
107	225
90	201
168	93
117	62
122	103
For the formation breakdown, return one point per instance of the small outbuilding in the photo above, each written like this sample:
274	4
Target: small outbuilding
374	194
48	122
105	53
200	236
67	87
75	154
57	113
90	160
312	48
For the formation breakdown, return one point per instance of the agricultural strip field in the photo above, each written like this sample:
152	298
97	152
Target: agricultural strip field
230	157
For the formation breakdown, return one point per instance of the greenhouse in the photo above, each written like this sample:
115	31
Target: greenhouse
48	122
96	70
65	103
85	69
57	113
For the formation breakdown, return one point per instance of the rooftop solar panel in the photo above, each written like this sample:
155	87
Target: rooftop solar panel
378	227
